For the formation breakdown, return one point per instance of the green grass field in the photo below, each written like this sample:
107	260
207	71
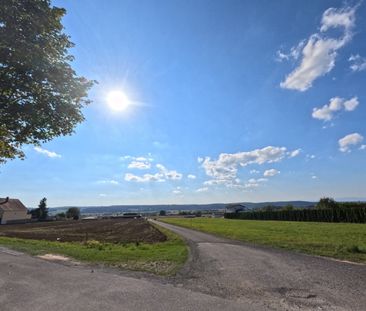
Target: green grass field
337	240
163	258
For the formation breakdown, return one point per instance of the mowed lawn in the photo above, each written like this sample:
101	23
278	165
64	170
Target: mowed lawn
163	258
338	240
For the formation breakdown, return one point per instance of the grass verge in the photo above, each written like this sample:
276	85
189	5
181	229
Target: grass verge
163	258
343	241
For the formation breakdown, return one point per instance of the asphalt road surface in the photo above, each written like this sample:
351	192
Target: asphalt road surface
220	275
274	279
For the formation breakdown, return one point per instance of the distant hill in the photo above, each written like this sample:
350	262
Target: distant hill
113	209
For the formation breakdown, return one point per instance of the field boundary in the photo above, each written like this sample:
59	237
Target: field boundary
161	258
337	241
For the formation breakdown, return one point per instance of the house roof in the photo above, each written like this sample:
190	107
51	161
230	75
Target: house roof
11	205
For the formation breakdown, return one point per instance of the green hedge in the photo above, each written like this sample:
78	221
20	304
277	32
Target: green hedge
341	214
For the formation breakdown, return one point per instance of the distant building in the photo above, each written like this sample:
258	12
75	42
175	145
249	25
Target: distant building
13	211
235	208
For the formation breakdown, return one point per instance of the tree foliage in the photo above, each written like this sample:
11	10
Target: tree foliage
61	215
41	96
288	207
42	211
73	212
327	203
327	210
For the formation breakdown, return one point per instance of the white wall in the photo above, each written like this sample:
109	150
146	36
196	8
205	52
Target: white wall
14	215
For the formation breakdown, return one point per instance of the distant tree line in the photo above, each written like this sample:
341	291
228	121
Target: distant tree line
41	213
326	210
71	213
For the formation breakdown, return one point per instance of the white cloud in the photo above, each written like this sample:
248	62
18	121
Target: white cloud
203	189
294	53
213	182
363	147
294	153
144	178
200	159
140	165
50	154
255	181
172	175
358	63
314	177
319	52
351	104
236	184
191	176
226	166
343	17
224	170
349	140
271	172
102	195
160	176
138	159
126	157
327	112
254	172
262	179
108	182
178	191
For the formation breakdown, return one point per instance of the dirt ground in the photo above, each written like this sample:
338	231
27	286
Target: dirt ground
103	230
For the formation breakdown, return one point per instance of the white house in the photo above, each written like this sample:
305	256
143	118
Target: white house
12	211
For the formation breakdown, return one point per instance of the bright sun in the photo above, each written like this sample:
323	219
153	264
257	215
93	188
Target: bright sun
117	100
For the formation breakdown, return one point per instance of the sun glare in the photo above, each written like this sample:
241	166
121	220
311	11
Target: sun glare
117	100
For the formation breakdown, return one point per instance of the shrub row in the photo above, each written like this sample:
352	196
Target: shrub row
341	214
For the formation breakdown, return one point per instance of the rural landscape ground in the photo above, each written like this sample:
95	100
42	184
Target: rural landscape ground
124	243
220	273
345	241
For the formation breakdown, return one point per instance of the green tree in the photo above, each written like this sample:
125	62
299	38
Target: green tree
42	209
288	207
268	208
41	96
326	203
73	212
61	215
198	214
162	213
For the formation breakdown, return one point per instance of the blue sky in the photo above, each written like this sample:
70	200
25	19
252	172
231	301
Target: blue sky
229	101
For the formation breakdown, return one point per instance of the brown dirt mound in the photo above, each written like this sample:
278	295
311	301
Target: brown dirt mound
104	230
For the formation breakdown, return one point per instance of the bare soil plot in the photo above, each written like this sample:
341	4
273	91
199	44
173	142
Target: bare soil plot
104	230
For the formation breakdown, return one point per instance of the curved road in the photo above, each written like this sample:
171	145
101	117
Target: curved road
220	275
274	279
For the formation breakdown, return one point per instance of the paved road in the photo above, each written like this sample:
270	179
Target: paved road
32	284
221	275
275	279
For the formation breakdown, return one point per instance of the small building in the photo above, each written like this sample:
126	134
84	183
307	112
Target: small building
235	208
13	211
